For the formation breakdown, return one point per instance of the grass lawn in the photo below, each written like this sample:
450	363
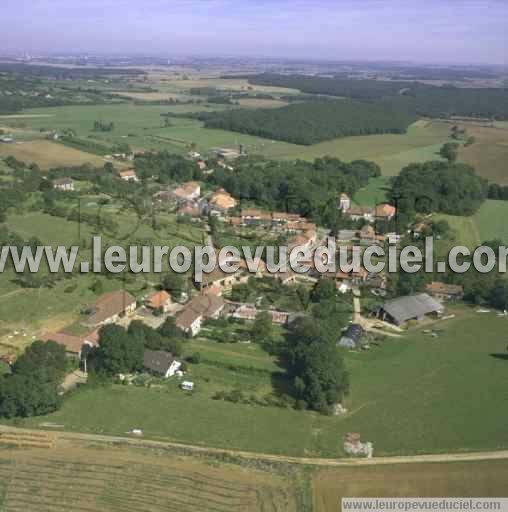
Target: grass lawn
416	394
488	223
374	193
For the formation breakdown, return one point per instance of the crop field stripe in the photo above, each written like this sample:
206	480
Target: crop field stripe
125	487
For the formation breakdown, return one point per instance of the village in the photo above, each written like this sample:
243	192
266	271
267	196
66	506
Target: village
213	298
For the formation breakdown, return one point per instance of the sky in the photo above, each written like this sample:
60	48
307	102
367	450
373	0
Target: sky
426	31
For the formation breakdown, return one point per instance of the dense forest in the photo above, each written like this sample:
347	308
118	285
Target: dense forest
439	187
421	99
339	86
309	123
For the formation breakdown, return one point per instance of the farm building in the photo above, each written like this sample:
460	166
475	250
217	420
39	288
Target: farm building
411	307
200	308
188	191
128	175
160	301
110	307
385	211
352	337
73	343
160	363
221	201
344	202
361	212
64	184
219	282
443	291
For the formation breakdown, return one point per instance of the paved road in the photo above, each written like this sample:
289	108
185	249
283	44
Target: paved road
140	442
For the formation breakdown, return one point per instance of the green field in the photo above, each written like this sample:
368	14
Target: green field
488	223
141	126
374	193
416	394
31	310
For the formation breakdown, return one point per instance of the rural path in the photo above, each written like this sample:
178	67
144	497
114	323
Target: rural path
310	461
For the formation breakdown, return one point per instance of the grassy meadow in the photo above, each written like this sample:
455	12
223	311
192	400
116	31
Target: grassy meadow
410	395
488	223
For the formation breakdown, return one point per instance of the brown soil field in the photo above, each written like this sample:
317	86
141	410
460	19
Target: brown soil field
445	479
48	154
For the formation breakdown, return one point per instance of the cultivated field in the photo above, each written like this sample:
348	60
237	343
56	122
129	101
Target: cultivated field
118	479
49	154
482	478
444	380
489	154
142	127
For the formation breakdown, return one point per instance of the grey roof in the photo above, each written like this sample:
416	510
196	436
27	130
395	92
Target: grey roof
157	361
351	338
411	306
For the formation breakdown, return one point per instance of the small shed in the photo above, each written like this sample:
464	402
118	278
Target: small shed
352	337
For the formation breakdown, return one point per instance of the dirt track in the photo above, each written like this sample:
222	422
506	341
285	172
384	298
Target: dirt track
140	442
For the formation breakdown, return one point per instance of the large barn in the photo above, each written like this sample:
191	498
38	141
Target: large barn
411	307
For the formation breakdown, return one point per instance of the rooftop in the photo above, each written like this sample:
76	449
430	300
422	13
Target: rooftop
411	306
157	361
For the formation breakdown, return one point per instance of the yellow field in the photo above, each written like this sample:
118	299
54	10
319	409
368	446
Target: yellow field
449	479
489	154
150	96
104	479
261	103
236	84
49	154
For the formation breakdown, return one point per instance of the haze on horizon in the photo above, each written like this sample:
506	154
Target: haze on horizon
434	31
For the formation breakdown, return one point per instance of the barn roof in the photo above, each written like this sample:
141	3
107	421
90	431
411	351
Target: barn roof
411	306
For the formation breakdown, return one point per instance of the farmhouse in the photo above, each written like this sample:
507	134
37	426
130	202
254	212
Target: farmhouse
352	337
160	363
110	307
200	308
361	212
64	184
443	291
159	301
250	311
228	153
367	235
221	201
219	282
72	343
252	216
128	175
411	307
188	191
385	211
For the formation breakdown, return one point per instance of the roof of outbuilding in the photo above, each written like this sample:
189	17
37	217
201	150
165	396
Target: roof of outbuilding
157	361
411	306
